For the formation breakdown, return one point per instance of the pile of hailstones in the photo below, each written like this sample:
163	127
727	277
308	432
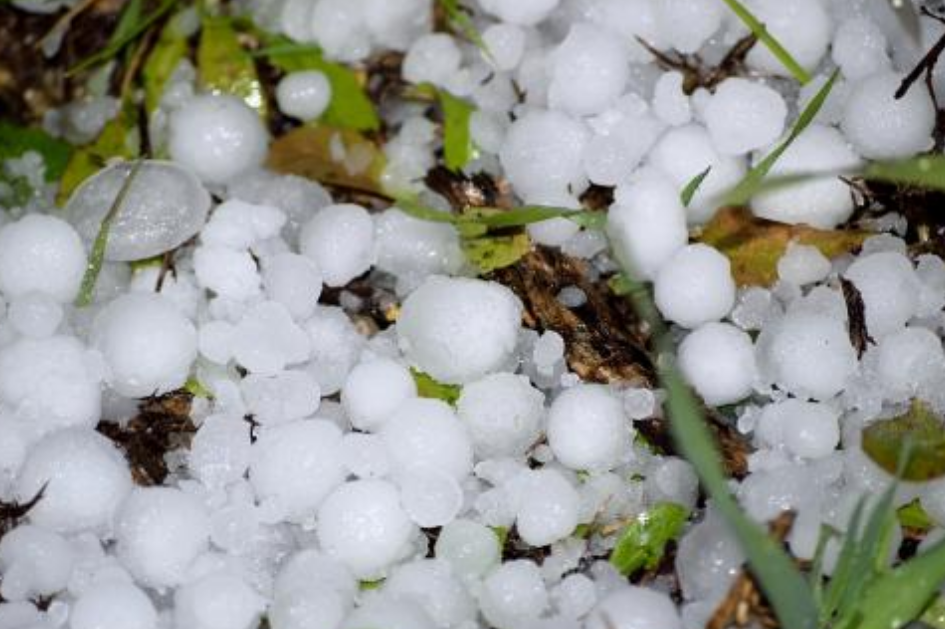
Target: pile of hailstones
348	467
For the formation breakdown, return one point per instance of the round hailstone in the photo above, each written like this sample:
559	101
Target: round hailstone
282	397
432	584
859	48
425	432
374	390
587	429
412	249
340	239
807	354
744	115
365	455
542	154
803	264
433	58
362	524
907	359
634	607
297	465
695	286
471	548
267	340
589	70
647	226
336	346
670	103
311	590
217	601
41	254
293	280
688	24
672	480
160	531
429	496
36	315
801	26
220	451
164	207
889	288
304	95
881	126
513	595
506	45
240	225
459	329
524	13
113	604
298	197
146	342
384	610
549	507
85	478
806	429
718	360
229	273
218	137
34	563
503	414
823	202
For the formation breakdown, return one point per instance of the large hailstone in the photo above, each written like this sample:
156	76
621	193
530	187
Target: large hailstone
889	288
459	329
113	604
589	71
425	433
802	26
503	414
522	12
718	360
164	207
34	562
744	115
41	254
340	239
634	607
695	286
587	429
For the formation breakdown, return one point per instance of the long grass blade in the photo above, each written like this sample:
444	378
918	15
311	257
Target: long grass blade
761	32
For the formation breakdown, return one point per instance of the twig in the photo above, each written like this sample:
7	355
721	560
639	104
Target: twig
926	64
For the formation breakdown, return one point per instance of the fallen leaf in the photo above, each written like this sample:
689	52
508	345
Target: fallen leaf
225	67
643	542
918	433
429	387
489	253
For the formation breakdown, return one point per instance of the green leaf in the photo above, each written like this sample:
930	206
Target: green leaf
934	615
921	431
749	185
365	586
489	253
927	171
225	67
168	52
461	23
761	32
16	140
501	535
197	389
458	147
914	516
428	387
643	542
693	186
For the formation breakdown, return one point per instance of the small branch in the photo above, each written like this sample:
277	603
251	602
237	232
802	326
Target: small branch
926	64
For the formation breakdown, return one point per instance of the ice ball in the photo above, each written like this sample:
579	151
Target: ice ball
718	360
41	254
304	94
695	286
587	429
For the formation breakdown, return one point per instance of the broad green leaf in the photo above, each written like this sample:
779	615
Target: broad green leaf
643	542
489	253
761	32
458	147
169	50
428	387
16	140
749	185
914	516
692	187
934	615
225	67
927	171
921	431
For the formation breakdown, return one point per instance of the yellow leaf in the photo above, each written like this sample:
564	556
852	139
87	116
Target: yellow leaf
225	67
489	253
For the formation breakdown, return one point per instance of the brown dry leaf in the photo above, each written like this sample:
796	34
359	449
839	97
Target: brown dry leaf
754	245
331	156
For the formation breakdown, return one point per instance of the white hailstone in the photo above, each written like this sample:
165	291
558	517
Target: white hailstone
648	226
708	558
375	389
889	288
412	249
802	26
218	137
34	562
267	340
389	611
362	524
688	24
822	202
524	13
718	360
431	497
672	480
164	207
548	507
744	115
230	273
695	286
240	225
542	153
881	126
426	432
340	239
630	19
471	548
459	329
113	604
85	478
298	197
146	342
36	315
670	103
432	584
304	94
807	354
803	265
634	607
907	359
282	397
806	429
159	533
42	254
506	45
396	24
218	600
575	596
220	451
513	595
336	346
365	455
297	465
503	414
589	70
432	58
339	28
859	48
930	269
623	134
587	429
53	381
684	153
293	280
311	590
215	340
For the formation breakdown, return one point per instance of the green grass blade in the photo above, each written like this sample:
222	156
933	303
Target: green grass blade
462	23
843	569
693	186
761	32
927	171
458	147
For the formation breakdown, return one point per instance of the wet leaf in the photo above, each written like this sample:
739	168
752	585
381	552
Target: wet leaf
920	432
458	147
16	140
754	245
692	187
225	67
329	155
642	544
428	387
167	53
913	516
489	253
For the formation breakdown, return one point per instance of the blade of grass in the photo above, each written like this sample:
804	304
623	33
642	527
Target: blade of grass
693	186
462	23
458	147
761	32
927	171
